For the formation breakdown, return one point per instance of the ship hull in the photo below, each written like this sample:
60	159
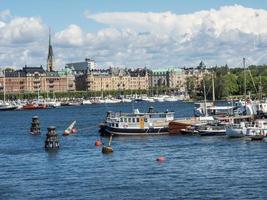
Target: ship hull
106	131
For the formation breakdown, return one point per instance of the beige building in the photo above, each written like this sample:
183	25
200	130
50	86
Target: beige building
114	79
34	79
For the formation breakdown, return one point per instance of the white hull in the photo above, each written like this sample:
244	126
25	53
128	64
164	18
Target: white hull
235	132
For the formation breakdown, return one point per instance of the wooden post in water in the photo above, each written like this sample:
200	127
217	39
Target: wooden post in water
108	149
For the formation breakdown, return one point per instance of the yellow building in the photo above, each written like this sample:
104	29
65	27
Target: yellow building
117	79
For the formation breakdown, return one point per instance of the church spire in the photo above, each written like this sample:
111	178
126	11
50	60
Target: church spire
50	56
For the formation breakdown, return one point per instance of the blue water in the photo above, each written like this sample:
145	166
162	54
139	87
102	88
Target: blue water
195	167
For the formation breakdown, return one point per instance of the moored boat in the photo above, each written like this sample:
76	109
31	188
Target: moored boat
136	123
211	131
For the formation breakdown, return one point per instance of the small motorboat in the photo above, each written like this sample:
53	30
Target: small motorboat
211	131
71	129
34	106
189	131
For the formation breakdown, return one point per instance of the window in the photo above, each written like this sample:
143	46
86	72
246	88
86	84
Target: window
129	120
133	120
137	119
125	119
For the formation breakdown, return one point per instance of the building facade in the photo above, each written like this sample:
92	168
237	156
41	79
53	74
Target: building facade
34	79
81	68
114	79
172	78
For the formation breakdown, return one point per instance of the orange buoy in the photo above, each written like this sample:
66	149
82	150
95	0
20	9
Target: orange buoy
160	159
98	143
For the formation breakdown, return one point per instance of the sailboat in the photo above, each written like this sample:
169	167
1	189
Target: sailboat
5	106
71	129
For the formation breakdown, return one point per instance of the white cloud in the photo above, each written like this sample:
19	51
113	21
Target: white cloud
72	36
153	39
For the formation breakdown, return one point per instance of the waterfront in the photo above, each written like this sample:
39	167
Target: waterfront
195	167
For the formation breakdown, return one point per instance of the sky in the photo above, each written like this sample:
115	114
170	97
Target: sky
151	33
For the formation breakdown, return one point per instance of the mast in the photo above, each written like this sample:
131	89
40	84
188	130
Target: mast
205	98
260	89
213	89
4	84
245	84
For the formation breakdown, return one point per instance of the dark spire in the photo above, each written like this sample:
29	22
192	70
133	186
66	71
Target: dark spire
50	56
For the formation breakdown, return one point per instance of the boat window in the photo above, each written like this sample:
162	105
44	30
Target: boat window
137	119
117	125
145	119
121	120
133	120
129	119
112	124
125	119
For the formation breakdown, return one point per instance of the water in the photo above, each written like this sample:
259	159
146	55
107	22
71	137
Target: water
195	167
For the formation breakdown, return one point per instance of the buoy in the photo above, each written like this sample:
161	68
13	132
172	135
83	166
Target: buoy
74	130
98	143
160	159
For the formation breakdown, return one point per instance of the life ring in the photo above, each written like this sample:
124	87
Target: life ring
125	125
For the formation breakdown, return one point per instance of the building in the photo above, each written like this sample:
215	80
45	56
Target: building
172	78
81	68
114	79
34	79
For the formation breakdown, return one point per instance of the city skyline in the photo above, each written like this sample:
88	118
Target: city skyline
116	33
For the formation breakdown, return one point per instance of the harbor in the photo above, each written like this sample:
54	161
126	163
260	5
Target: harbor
192	165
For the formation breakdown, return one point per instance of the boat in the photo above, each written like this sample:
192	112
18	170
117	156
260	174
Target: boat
147	99
136	123
236	130
210	130
34	106
178	125
258	131
5	106
86	102
170	99
71	129
190	130
72	103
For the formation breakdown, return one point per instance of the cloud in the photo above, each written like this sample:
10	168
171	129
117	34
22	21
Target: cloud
72	36
217	37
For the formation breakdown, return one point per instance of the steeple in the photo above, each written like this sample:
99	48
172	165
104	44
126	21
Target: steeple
50	57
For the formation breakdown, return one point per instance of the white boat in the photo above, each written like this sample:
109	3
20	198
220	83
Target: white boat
170	99
52	103
258	131
86	102
125	100
136	123
6	106
159	99
211	131
236	130
147	99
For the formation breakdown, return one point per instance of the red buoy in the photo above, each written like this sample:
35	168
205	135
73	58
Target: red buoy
98	143
160	159
74	130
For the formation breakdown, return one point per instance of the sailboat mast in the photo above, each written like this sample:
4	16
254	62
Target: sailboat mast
213	88
4	85
205	98
245	84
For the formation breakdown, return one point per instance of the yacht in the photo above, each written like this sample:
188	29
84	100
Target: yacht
136	123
